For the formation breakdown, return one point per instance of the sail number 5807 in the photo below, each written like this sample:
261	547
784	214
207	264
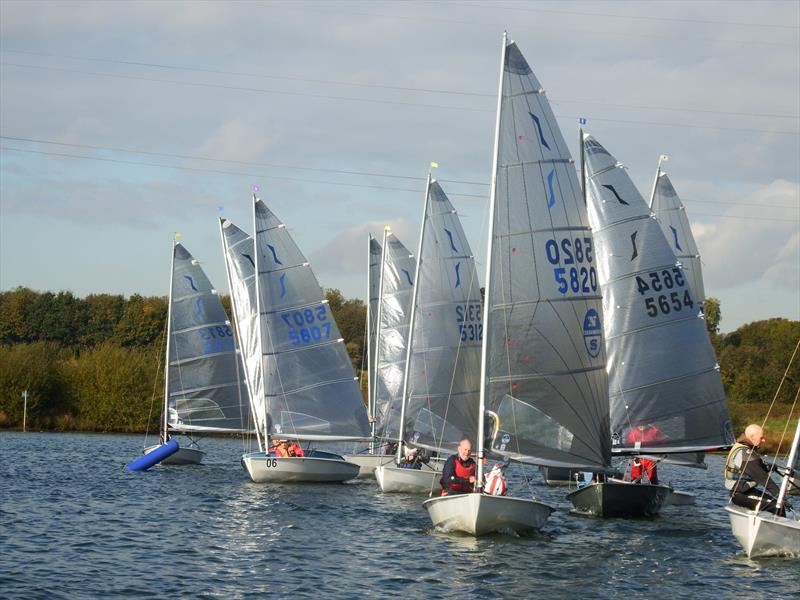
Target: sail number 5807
572	251
307	325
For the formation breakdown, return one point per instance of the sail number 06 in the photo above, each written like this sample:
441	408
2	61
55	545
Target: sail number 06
579	278
669	301
307	325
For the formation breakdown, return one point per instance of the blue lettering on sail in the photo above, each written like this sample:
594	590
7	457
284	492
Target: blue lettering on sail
274	256
552	200
450	235
675	234
539	129
592	332
408	276
458	275
191	283
282	281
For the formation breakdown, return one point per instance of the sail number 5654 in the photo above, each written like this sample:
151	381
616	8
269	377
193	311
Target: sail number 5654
668	281
572	251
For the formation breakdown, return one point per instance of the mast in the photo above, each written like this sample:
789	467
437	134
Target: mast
165	421
374	383
789	468
256	253
370	366
239	355
583	164
488	280
655	182
414	296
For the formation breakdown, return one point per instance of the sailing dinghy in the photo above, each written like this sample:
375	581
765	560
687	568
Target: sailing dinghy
543	380
301	381
440	385
204	389
665	392
395	284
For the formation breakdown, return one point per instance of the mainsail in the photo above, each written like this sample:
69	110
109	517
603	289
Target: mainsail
544	357
309	388
443	384
662	369
205	385
241	268
671	214
396	285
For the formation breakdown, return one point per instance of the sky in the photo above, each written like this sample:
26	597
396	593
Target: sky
122	123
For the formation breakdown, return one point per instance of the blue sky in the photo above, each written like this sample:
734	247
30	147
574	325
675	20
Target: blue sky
125	122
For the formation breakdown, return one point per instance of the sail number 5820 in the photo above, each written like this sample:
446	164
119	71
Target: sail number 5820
580	278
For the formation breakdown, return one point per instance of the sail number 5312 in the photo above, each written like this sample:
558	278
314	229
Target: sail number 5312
572	259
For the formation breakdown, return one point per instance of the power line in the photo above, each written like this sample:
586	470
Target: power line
390	87
262	176
610	16
394	102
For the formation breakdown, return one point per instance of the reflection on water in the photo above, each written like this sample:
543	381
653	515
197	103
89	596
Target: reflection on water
75	524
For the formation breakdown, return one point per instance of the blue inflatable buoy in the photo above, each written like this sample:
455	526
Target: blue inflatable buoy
148	460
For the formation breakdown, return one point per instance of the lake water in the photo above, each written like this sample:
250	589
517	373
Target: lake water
73	524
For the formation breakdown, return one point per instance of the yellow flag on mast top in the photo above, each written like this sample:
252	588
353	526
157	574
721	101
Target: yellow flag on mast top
178	234
434	165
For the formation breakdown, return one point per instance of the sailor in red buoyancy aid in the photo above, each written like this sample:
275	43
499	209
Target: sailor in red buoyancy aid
644	434
458	474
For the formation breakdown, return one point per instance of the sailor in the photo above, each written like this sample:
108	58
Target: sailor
745	470
458	474
644	434
412	459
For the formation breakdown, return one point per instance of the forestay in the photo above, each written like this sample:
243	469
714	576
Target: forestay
240	265
662	369
444	358
310	391
545	358
671	214
206	389
397	281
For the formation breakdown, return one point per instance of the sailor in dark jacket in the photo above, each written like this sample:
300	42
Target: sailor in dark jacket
745	470
458	473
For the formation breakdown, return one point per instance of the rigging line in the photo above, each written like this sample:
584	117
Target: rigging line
391	87
321	170
297	179
610	16
220	171
380	101
237	162
243	88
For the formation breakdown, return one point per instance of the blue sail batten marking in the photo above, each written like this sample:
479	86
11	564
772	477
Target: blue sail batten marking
675	233
552	200
539	129
191	283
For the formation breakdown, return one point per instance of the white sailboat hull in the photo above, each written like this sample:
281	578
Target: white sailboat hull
764	534
479	514
410	481
678	498
269	469
184	456
368	463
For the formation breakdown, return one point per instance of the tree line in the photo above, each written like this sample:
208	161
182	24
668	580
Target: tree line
97	363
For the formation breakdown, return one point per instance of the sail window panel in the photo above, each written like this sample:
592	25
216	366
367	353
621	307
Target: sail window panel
430	429
315	365
197	373
540	421
690	416
444	371
221	407
387	400
331	417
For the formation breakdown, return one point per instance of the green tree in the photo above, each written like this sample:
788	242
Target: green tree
142	322
36	368
104	312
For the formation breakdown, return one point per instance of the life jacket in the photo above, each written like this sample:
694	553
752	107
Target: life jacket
495	484
296	450
463	472
734	467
